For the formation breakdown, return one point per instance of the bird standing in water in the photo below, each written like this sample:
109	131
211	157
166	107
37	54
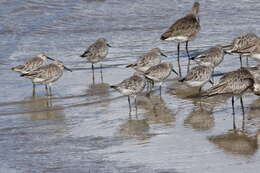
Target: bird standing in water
95	53
47	75
184	30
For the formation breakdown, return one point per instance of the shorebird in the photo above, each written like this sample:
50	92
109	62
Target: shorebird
184	30
47	74
255	53
152	58
96	52
233	83
198	76
32	63
131	86
255	72
211	57
242	45
159	73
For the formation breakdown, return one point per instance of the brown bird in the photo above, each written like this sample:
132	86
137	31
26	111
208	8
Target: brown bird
233	83
242	45
184	30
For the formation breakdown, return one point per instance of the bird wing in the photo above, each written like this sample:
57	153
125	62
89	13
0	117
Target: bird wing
186	26
38	73
33	64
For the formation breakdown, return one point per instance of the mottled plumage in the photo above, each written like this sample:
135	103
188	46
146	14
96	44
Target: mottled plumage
198	76
234	83
32	64
242	45
211	57
152	58
131	87
184	30
97	51
159	72
255	72
47	74
255	53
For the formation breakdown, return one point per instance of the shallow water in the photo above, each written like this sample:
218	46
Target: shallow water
85	126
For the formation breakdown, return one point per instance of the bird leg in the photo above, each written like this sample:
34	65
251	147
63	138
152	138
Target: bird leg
188	68
50	92
101	73
241	63
247	61
33	93
212	78
233	113
46	89
135	108
178	58
93	73
200	90
129	104
160	91
243	112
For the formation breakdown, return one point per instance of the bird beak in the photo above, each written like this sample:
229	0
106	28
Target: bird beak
163	54
109	45
50	58
66	68
175	72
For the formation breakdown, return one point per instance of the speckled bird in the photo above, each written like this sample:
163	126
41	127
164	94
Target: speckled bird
152	58
131	86
32	63
184	30
233	83
159	73
211	57
242	45
198	76
96	52
47	74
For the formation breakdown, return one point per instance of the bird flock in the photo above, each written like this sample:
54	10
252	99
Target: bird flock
149	68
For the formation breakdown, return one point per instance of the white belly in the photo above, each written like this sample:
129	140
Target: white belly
195	83
256	56
38	80
178	39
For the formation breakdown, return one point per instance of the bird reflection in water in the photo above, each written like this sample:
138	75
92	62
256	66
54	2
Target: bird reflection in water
254	110
157	110
200	119
41	108
236	141
135	128
99	91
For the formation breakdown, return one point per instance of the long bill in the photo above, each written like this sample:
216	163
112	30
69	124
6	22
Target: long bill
50	58
175	72
66	68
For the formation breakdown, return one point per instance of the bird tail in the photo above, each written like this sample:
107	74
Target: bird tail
24	75
182	79
84	54
113	86
165	35
18	68
227	46
130	65
193	58
215	90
